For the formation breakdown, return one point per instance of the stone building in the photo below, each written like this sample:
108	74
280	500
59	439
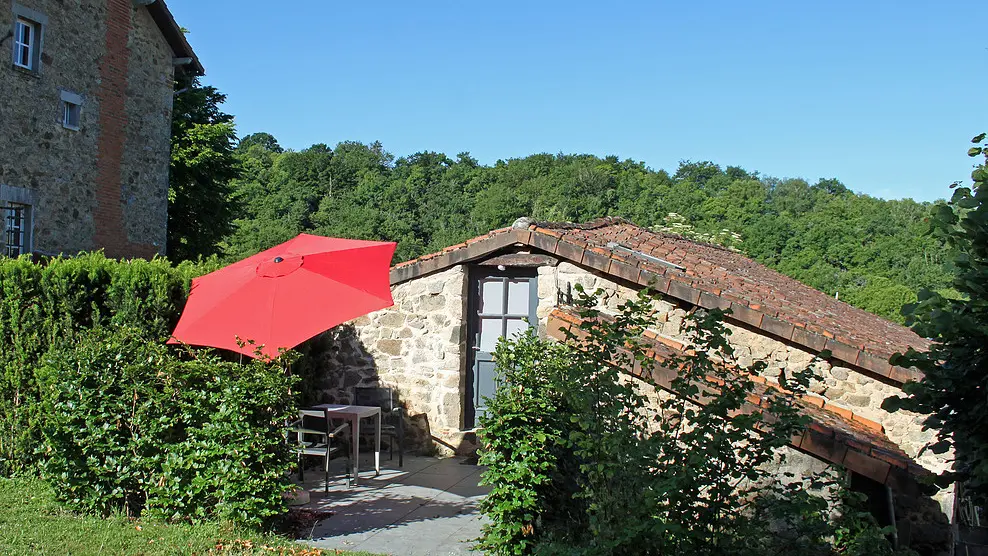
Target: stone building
86	91
434	345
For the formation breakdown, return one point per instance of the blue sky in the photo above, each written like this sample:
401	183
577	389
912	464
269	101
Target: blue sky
881	95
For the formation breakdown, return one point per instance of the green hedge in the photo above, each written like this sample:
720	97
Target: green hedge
92	399
131	426
44	303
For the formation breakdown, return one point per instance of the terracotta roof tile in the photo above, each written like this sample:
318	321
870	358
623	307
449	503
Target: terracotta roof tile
715	268
796	312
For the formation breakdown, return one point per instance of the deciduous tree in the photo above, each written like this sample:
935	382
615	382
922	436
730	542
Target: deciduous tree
954	388
200	208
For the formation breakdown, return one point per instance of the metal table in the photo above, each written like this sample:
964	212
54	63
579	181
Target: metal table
353	414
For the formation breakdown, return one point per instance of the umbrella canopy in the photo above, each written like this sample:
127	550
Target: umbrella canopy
283	296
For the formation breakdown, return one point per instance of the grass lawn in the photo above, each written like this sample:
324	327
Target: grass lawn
32	522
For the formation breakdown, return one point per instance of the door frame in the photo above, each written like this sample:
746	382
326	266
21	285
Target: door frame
476	274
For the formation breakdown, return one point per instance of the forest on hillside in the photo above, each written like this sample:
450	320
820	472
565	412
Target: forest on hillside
871	252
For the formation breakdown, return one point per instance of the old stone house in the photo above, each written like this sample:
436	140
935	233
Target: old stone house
86	91
434	345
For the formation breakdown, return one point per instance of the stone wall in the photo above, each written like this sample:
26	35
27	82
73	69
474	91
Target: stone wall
791	465
417	346
921	522
60	166
147	146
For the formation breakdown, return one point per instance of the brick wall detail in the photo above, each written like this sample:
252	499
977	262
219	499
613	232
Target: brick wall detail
112	94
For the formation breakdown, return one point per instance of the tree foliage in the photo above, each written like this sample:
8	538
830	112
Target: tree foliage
872	252
200	208
952	391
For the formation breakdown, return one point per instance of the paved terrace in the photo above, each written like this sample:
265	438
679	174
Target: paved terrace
428	507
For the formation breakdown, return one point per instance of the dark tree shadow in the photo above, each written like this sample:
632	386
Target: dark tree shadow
335	362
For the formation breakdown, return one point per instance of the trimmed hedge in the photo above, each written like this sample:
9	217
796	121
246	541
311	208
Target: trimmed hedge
92	400
43	304
132	427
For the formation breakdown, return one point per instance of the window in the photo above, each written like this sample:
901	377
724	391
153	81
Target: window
25	43
71	113
16	229
29	26
71	110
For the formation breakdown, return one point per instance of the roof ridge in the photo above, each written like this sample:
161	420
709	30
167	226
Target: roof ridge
595	224
673	235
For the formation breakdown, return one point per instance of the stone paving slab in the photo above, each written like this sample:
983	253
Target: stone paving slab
428	507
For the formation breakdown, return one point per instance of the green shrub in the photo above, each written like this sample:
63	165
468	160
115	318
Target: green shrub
42	303
532	470
580	462
131	427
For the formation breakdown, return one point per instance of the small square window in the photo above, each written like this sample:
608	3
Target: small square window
27	44
71	115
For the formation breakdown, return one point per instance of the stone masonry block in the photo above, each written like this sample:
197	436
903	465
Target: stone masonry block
809	339
389	347
685	292
745	314
777	327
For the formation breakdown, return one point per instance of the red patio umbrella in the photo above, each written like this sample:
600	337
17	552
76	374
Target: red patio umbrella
283	296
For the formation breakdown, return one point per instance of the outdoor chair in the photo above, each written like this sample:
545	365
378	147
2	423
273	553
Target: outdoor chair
319	436
392	417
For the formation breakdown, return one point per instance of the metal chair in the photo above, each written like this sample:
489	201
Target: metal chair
319	436
392	417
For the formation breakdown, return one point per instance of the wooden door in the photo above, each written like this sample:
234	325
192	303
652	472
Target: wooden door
502	304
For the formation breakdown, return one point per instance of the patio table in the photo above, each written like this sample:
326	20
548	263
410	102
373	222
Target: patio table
353	414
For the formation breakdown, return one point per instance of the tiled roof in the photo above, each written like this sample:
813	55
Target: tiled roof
173	33
706	275
834	434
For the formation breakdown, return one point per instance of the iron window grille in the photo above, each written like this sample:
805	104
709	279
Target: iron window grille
15	220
